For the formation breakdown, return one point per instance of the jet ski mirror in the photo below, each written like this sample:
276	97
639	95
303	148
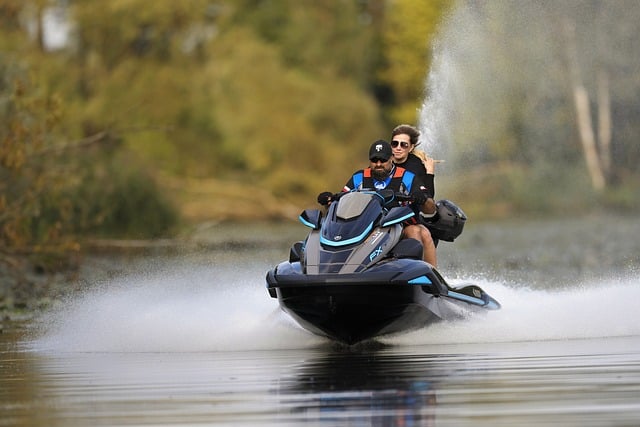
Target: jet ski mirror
311	218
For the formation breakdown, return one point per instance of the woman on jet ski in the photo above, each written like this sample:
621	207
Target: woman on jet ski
404	140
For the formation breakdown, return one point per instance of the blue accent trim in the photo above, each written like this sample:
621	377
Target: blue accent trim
492	305
307	223
373	193
357	180
407	179
349	241
397	220
467	298
422	280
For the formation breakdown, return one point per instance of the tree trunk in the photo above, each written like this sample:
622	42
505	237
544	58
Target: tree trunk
587	137
604	123
40	27
583	113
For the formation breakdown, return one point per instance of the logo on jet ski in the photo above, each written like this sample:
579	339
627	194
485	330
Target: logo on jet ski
375	253
338	237
374	237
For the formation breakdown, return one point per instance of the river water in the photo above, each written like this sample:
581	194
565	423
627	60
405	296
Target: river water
194	339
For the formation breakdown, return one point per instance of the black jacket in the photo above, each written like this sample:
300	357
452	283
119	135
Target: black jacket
414	164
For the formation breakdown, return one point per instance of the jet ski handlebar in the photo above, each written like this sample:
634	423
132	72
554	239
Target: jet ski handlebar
389	195
386	196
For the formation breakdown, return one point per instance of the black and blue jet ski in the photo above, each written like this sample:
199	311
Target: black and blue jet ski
354	279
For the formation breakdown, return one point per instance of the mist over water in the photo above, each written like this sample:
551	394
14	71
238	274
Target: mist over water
461	46
499	71
178	309
605	310
227	308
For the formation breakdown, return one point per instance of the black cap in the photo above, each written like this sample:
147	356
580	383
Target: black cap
380	150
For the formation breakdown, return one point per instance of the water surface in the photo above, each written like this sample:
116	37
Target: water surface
194	339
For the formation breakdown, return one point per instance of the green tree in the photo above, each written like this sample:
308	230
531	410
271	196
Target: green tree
30	165
228	91
52	151
409	29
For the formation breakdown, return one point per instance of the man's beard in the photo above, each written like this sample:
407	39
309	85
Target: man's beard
379	174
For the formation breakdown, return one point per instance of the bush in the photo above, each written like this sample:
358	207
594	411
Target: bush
137	208
123	203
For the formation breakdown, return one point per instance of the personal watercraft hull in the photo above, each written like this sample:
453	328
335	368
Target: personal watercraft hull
356	278
397	296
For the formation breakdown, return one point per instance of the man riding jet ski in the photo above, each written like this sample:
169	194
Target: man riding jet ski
381	174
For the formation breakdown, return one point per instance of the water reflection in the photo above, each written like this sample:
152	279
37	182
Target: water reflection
562	382
146	388
370	388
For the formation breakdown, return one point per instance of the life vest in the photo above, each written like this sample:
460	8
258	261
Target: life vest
400	181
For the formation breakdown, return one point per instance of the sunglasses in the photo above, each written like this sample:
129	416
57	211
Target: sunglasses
378	159
403	144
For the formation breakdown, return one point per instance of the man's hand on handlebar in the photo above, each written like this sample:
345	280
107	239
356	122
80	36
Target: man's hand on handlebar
325	198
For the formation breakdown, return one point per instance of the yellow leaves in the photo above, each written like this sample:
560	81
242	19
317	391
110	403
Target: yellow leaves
26	177
281	121
27	119
53	110
408	34
11	154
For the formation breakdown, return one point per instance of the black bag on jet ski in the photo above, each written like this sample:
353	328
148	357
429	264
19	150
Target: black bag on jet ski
448	223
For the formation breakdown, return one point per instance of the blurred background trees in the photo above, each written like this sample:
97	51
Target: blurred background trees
534	106
131	118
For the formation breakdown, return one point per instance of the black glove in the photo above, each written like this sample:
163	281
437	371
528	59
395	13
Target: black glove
324	198
419	198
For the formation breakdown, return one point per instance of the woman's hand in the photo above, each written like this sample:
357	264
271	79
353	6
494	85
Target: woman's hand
429	165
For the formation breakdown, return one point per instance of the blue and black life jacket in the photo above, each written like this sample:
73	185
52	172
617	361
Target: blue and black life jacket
400	181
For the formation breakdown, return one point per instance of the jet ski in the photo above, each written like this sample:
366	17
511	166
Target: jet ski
354	278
